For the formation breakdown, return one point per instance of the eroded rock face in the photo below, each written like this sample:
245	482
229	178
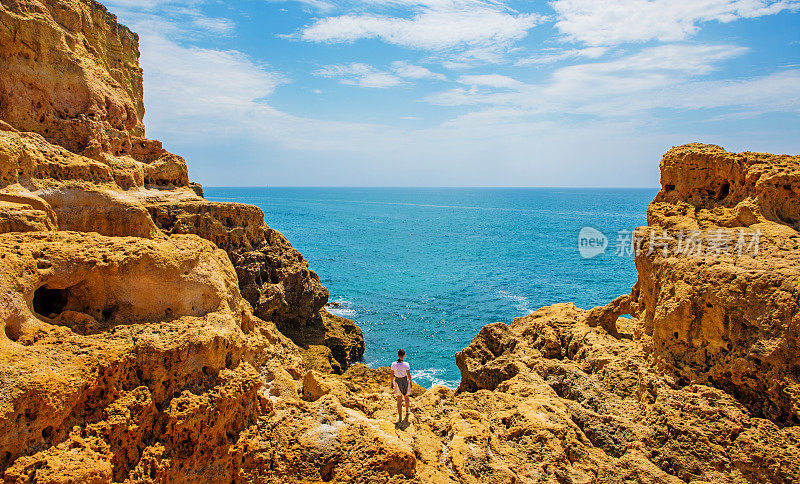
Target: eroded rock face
73	157
108	340
727	317
129	349
70	73
145	328
690	387
273	276
627	419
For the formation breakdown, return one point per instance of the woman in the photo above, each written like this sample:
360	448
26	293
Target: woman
400	383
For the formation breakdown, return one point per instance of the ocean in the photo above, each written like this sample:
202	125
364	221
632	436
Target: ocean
425	268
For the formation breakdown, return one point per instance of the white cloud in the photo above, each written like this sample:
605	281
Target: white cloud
358	74
210	97
204	99
425	31
491	80
207	97
551	56
777	92
479	30
614	22
170	17
215	25
215	105
138	4
188	81
317	5
364	75
411	71
668	76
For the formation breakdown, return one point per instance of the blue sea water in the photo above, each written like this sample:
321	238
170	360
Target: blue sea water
425	268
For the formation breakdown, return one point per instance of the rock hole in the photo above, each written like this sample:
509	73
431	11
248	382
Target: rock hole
48	301
669	188
675	335
108	312
326	472
47	432
724	191
11	332
31	414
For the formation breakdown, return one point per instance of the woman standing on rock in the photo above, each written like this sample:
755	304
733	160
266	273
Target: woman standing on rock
401	383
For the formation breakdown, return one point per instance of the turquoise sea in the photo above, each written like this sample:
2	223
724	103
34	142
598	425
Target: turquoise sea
425	268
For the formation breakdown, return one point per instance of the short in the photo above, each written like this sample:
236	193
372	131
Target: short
401	386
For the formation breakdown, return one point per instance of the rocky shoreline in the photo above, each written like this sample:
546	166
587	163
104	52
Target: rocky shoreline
151	335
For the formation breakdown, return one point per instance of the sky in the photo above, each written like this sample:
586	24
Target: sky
562	93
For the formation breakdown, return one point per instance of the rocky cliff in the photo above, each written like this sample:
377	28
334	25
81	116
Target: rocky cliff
726	316
693	376
74	158
150	335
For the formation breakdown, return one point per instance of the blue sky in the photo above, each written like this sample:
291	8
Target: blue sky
462	92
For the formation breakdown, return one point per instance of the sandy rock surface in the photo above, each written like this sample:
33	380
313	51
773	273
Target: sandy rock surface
73	156
150	335
726	314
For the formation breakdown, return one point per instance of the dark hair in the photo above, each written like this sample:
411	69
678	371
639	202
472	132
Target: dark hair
400	354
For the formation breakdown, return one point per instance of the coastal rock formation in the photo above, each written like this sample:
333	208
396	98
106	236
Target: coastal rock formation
108	340
328	342
630	420
150	335
73	157
71	73
700	383
726	314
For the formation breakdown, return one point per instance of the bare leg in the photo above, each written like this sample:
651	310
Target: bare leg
400	408
408	401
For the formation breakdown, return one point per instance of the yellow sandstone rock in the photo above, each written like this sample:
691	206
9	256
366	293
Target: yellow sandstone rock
152	336
729	317
73	156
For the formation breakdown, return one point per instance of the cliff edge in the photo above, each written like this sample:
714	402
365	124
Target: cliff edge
74	158
692	377
152	336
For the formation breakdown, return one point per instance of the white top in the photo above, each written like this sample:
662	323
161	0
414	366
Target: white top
400	369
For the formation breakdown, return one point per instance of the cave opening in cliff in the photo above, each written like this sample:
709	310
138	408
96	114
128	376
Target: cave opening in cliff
49	302
724	191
